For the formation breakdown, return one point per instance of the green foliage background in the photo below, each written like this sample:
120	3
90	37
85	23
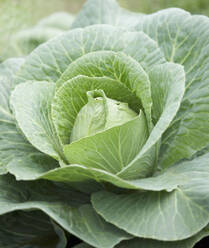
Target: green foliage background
149	6
20	14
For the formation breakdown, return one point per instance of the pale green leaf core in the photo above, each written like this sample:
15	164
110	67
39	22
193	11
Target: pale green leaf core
112	149
71	97
106	133
100	114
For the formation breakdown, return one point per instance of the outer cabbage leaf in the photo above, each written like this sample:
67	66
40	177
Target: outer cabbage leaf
167	89
168	216
148	243
167	180
13	144
50	60
30	229
31	165
184	40
7	122
187	243
32	107
69	208
82	245
106	12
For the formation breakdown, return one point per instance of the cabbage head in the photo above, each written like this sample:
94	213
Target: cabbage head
105	133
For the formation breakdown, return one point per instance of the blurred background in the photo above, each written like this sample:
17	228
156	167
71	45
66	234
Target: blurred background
18	15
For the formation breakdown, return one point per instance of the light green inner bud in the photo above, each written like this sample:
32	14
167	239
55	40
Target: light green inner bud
99	114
